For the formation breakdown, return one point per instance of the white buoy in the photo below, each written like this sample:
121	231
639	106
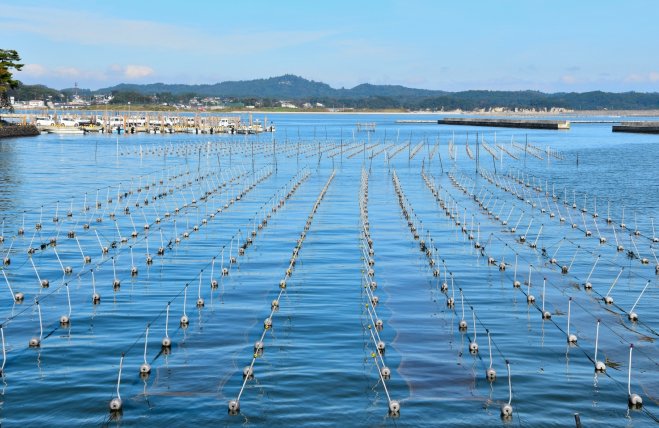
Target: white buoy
490	373
634	400
473	346
66	319
35	341
146	367
96	298
600	367
546	315
587	285
450	301
116	403
184	319
632	315
516	283
530	299
18	297
462	325
200	301
133	270
506	409
609	300
167	342
571	338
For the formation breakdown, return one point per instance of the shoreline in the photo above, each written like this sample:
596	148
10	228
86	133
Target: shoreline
558	115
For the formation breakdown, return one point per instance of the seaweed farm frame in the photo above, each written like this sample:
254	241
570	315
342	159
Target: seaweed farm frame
324	275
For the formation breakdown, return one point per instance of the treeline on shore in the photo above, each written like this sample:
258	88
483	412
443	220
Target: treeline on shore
446	101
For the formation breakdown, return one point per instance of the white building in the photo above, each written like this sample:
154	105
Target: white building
35	103
286	104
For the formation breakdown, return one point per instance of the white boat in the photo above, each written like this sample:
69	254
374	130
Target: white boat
64	130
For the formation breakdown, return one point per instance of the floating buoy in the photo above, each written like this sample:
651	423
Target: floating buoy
146	367
35	342
634	400
167	342
490	373
234	407
546	315
506	409
571	338
600	367
116	403
530	299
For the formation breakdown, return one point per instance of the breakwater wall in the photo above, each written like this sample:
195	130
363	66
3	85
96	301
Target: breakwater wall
507	123
638	127
19	131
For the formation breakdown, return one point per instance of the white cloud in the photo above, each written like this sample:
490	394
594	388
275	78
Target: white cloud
634	78
571	80
39	71
34	70
99	30
138	71
652	77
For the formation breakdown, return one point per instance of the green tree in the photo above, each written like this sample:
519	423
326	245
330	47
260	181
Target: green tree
8	60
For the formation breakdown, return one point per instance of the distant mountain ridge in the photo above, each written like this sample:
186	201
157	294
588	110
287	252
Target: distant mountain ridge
365	96
281	87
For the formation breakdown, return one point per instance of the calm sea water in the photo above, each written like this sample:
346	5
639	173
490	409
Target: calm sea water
317	369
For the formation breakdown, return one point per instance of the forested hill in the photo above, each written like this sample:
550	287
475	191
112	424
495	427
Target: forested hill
283	87
365	96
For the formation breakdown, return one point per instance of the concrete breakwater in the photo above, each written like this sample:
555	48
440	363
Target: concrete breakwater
19	131
639	127
507	123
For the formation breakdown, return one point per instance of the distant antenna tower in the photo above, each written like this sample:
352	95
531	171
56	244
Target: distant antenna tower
76	89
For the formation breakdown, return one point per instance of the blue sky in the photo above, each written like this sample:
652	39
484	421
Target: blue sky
549	46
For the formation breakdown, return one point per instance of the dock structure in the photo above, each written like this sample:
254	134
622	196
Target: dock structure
81	122
646	127
507	123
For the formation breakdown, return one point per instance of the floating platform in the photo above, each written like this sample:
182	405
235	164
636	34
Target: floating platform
648	127
507	123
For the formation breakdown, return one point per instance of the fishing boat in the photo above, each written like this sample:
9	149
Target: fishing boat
64	130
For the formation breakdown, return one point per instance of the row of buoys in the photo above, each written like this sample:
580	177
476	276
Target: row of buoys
248	371
634	400
431	253
116	403
96	296
39	224
145	369
87	258
565	269
584	210
369	284
602	239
